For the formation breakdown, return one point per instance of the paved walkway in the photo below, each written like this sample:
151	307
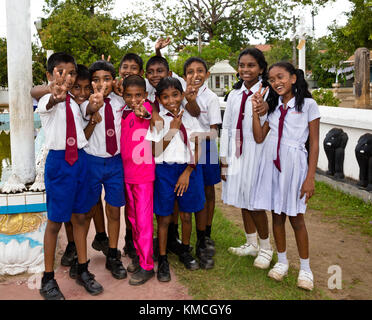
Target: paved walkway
24	287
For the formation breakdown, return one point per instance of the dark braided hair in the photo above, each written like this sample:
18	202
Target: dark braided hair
300	88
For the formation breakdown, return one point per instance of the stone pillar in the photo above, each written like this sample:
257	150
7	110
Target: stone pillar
362	79
19	83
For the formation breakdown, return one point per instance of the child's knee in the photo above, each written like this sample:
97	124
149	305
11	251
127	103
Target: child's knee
297	222
209	193
53	227
278	220
186	217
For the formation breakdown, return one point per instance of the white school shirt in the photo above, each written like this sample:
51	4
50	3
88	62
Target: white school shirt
296	123
54	123
231	115
209	104
97	141
176	151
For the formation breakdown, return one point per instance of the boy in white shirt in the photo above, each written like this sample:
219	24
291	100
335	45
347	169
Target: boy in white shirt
65	173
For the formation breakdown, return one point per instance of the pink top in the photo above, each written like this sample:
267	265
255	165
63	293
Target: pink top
136	152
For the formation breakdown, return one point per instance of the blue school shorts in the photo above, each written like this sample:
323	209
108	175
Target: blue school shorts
66	186
164	196
210	163
109	173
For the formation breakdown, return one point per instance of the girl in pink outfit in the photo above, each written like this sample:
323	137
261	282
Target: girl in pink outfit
139	174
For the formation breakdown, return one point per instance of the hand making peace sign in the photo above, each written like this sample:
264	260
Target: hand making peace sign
59	86
96	99
191	91
258	104
140	110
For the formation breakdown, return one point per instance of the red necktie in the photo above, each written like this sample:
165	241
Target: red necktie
111	143
239	125
71	153
157	106
184	137
283	113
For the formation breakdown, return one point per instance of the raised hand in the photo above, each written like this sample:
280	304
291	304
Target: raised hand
96	100
162	43
59	86
191	92
258	104
118	86
177	121
140	110
108	58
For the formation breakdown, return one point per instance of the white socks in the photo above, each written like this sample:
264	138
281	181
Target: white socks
251	238
265	243
305	265
282	257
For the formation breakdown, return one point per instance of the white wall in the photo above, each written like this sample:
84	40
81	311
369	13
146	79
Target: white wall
355	122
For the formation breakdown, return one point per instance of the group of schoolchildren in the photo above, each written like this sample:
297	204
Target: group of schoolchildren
151	143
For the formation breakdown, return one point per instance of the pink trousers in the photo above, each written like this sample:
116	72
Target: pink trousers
139	205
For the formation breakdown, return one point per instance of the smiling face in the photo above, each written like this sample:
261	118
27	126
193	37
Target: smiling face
171	98
155	72
128	68
196	74
81	90
133	95
101	77
249	70
281	81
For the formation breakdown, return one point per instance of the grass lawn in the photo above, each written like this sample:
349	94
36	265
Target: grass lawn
348	211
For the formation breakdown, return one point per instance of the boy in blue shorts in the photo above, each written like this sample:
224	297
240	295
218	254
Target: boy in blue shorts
177	177
103	153
65	173
196	73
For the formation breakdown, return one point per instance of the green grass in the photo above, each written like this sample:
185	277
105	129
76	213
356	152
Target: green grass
349	211
234	277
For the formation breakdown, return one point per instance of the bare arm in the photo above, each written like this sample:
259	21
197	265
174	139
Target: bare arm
308	186
39	91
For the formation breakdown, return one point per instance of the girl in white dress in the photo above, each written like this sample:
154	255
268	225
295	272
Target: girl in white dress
285	179
240	155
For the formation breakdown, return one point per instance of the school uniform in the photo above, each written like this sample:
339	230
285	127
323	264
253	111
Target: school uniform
242	161
210	114
171	163
66	184
103	152
139	169
279	190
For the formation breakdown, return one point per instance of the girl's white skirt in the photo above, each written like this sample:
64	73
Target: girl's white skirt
280	191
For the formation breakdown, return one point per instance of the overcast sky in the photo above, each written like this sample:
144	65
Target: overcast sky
325	17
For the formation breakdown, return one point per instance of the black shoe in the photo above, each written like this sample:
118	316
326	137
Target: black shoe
129	248
116	267
74	269
69	255
163	273
134	266
51	291
141	276
86	279
155	245
205	260
210	245
174	247
101	245
188	260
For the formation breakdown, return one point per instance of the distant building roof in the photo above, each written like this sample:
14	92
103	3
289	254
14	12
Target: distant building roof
352	58
222	66
263	47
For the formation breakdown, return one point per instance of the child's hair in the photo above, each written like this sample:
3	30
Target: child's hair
59	57
168	82
272	98
157	59
194	59
102	65
300	89
82	72
132	57
135	81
